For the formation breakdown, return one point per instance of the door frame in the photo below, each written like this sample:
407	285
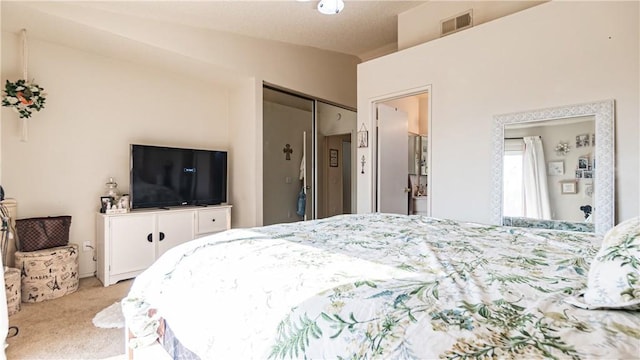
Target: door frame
374	120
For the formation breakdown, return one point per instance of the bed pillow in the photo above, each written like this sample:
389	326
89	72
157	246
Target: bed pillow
614	275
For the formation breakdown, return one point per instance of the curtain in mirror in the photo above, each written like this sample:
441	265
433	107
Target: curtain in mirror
536	193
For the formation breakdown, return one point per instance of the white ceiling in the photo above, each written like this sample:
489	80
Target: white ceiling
362	28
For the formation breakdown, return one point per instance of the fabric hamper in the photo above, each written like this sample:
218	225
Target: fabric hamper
48	274
12	289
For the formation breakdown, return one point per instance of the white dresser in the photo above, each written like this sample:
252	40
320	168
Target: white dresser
127	244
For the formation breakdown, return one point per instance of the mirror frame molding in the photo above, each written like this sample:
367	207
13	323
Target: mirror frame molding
603	111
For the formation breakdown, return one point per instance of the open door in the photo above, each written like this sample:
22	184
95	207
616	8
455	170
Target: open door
393	192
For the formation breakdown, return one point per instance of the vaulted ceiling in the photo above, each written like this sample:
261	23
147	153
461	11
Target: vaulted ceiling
361	28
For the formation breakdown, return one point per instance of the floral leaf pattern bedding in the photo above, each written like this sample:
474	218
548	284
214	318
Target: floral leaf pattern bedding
380	286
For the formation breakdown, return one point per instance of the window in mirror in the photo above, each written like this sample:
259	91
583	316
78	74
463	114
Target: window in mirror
513	183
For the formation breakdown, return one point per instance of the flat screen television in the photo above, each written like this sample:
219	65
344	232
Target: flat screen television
165	176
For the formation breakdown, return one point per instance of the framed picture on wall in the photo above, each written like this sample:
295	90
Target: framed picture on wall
555	168
363	139
569	187
583	163
582	140
333	157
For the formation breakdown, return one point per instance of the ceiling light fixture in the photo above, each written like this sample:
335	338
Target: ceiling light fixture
330	7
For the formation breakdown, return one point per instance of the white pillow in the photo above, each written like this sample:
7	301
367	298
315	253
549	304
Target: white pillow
614	275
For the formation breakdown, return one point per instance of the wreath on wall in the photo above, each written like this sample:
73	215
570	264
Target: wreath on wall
24	97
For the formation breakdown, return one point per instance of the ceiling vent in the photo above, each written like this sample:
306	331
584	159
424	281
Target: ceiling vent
456	23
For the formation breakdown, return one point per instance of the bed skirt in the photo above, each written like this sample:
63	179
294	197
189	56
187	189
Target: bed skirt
174	347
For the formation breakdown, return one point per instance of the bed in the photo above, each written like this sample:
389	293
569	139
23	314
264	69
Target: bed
379	286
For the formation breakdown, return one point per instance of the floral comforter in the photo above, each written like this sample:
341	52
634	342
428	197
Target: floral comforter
380	286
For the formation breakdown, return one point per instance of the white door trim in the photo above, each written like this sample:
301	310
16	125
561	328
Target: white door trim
373	136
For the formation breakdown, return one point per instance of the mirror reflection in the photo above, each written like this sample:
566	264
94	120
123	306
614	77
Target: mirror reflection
417	154
417	184
549	171
570	192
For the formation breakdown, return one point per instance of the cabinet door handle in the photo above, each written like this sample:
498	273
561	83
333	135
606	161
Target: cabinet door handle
161	236
213	220
150	237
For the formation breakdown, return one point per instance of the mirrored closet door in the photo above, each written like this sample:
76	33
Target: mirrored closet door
308	152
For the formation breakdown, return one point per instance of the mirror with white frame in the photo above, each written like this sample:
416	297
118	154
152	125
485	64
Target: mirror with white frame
564	187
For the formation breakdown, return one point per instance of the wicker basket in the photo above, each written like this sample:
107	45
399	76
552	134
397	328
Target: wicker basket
12	287
49	273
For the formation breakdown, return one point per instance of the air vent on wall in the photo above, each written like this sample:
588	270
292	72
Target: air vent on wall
456	23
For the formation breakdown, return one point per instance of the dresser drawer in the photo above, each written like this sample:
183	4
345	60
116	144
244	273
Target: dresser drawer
212	220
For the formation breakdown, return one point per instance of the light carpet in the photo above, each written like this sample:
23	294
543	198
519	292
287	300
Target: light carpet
62	328
110	317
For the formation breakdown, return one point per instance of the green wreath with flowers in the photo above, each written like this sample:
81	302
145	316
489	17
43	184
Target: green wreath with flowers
23	97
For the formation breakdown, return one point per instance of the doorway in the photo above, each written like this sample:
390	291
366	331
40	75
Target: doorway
336	153
403	167
335	180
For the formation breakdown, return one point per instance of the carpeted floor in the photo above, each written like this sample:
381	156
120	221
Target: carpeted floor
62	328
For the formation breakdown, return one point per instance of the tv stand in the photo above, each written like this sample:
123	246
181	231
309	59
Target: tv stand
128	243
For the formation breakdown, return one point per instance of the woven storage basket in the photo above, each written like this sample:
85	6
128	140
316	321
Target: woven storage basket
12	287
48	274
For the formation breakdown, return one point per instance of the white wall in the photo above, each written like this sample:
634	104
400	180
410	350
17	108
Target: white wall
422	24
411	106
245	164
417	108
113	80
95	108
554	54
188	49
333	120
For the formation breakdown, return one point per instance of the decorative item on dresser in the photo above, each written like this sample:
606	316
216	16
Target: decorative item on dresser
112	202
129	243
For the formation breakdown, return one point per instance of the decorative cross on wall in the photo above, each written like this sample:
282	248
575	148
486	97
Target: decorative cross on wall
287	150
